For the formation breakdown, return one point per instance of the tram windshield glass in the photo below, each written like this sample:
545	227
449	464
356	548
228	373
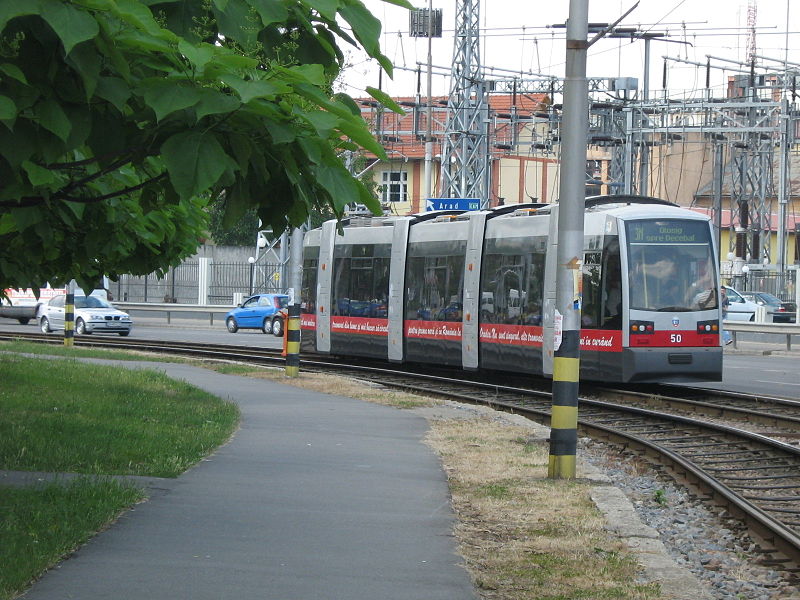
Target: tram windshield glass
670	265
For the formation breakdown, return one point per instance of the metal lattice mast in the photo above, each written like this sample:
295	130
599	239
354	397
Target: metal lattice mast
465	156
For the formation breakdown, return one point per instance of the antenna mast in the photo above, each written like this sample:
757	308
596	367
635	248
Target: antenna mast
465	156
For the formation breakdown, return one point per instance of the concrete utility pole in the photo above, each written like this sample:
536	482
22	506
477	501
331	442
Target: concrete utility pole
569	294
292	331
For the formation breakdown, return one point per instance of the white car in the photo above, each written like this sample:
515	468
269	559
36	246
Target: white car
93	314
740	309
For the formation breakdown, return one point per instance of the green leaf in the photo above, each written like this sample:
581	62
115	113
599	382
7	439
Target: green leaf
12	10
8	110
227	60
114	90
339	184
53	118
213	102
7	224
37	175
368	200
343	98
234	21
139	16
71	24
323	122
271	11
249	90
87	63
14	72
358	132
166	96
327	8
197	54
76	208
313	74
366	27
386	100
194	161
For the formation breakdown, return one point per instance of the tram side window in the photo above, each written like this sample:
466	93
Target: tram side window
511	288
434	288
503	293
592	295
611	308
361	281
341	286
308	291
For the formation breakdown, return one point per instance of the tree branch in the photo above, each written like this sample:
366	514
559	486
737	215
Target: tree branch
121	192
29	201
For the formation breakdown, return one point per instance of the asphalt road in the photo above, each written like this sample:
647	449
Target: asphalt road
747	369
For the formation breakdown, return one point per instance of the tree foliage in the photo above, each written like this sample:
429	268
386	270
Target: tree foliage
117	117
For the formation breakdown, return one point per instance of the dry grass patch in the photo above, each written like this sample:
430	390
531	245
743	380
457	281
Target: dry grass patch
330	384
522	535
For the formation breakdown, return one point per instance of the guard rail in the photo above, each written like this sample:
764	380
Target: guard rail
787	329
169	308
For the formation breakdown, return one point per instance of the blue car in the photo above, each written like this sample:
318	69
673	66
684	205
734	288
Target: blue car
262	311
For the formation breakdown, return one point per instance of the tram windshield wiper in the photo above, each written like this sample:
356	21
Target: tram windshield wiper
675	309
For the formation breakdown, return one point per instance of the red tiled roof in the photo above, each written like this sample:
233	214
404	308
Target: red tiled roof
404	134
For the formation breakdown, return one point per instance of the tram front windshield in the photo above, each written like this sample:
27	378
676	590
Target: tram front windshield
670	265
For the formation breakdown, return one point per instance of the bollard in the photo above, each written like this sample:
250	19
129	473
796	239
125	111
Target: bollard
291	337
69	318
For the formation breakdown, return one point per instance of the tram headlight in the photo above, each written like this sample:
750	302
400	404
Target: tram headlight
708	327
639	327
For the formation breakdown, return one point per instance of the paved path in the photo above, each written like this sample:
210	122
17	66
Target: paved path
315	497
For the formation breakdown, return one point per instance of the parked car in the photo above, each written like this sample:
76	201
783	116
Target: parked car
782	312
262	311
740	309
93	314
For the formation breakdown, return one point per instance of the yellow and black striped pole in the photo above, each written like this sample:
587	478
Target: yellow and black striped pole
569	254
69	316
292	333
564	415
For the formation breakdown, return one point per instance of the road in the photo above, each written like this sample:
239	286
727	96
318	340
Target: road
746	369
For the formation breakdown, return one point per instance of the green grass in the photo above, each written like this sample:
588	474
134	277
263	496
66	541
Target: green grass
62	415
43	523
78	352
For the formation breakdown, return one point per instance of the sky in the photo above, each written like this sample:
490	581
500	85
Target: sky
516	36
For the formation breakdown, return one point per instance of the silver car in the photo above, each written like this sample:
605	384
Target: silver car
93	314
740	308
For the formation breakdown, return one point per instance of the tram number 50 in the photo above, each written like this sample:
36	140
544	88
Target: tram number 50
675	338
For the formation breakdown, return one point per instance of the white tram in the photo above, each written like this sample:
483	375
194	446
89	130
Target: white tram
476	290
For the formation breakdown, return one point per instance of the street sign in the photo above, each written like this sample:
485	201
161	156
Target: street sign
452	204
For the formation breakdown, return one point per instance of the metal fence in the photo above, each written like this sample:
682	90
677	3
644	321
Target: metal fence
201	282
772	282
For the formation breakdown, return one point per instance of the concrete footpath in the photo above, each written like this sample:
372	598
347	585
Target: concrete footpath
315	497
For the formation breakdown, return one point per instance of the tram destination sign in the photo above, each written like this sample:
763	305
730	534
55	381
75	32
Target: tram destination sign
668	232
452	204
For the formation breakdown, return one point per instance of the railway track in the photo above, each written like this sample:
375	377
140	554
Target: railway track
755	476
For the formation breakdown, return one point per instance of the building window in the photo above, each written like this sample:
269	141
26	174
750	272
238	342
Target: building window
395	186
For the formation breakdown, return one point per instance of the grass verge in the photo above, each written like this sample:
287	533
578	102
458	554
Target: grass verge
42	523
38	348
66	416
